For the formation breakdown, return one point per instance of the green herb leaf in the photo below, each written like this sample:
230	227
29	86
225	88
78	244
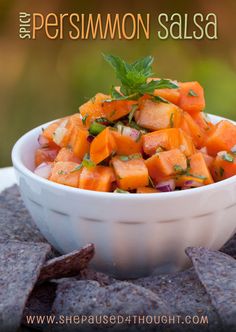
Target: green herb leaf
160	149
134	125
192	93
172	120
131	113
120	191
160	99
87	162
228	157
84	118
202	177
124	158
179	169
61	172
133	78
221	171
151	181
131	157
96	128
77	168
139	137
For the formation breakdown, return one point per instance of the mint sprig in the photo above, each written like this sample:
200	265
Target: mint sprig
133	78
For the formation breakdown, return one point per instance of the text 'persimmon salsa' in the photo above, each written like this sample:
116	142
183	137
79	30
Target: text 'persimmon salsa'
149	135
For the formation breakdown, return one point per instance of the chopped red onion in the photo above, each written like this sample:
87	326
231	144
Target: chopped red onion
90	138
43	141
191	183
60	132
128	131
43	170
166	186
203	150
233	149
221	153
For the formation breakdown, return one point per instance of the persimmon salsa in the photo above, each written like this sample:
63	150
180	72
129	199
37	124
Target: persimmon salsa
148	135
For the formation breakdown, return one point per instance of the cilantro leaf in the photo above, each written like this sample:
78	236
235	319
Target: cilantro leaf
133	78
228	157
192	93
131	113
121	191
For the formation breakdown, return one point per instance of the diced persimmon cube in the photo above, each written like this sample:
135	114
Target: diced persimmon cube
98	178
190	127
222	168
146	190
165	164
168	139
172	95
45	155
158	115
66	154
191	97
93	108
222	138
116	109
66	173
130	172
102	146
125	145
198	168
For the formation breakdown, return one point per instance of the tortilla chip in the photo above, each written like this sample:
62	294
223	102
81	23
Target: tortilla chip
15	221
185	296
230	247
75	297
102	278
20	265
68	265
39	303
217	272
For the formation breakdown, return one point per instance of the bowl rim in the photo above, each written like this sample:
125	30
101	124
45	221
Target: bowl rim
20	167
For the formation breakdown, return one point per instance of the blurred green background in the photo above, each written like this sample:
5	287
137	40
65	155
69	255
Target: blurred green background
45	79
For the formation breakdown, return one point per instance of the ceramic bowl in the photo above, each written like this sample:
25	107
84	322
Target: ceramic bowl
133	234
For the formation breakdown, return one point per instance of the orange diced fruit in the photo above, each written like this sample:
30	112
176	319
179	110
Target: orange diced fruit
165	164
146	190
198	168
78	142
168	139
64	172
116	109
130	172
98	178
191	97
45	155
102	146
172	95
222	167
222	138
66	154
158	115
125	145
190	127
93	108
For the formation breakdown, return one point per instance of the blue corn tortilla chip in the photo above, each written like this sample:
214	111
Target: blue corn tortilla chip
20	265
15	221
68	265
79	297
230	247
39	303
217	273
186	296
102	278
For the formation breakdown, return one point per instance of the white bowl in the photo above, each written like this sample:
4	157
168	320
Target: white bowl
133	233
